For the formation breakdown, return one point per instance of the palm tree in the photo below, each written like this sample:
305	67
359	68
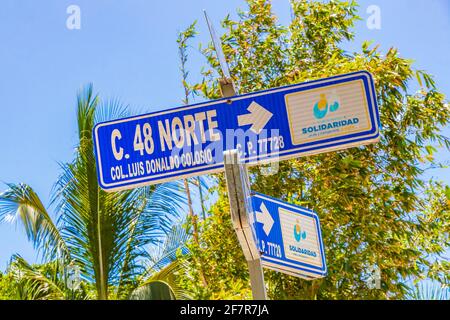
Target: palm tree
105	234
43	282
428	291
159	279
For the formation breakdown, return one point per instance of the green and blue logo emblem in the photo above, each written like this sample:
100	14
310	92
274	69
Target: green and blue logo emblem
321	107
298	233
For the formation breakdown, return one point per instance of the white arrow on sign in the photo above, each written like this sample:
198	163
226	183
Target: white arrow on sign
258	117
265	218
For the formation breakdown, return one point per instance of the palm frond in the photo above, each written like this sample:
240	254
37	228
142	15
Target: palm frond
168	275
86	105
163	265
84	209
156	290
429	291
111	110
33	283
164	205
164	254
20	204
107	232
157	209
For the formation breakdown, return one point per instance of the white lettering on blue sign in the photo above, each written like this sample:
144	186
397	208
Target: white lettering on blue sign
267	126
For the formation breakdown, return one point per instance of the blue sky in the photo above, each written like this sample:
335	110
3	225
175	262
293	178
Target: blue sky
127	49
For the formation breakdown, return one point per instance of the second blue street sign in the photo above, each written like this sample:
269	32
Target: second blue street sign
281	123
289	237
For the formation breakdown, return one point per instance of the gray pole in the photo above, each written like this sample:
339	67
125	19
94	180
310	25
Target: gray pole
257	279
238	192
238	186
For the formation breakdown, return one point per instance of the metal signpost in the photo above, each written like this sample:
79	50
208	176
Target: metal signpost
238	186
229	134
240	205
272	233
271	125
232	133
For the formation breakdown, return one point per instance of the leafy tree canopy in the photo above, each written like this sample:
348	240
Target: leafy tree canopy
374	204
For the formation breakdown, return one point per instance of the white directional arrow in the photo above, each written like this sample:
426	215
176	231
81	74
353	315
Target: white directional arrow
265	218
258	117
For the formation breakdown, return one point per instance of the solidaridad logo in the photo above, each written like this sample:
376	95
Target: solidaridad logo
322	106
298	233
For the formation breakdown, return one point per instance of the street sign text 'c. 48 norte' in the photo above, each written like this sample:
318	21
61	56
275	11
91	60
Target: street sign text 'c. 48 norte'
281	123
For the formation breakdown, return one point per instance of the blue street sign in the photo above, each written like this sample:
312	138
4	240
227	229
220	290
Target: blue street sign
266	126
289	237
